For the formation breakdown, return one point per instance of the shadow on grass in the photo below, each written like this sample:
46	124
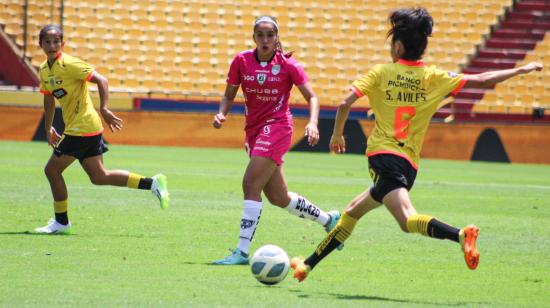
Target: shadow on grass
388	299
217	265
35	233
404	301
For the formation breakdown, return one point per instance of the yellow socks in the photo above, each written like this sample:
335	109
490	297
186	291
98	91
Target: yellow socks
133	180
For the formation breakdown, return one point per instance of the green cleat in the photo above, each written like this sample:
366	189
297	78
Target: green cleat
236	257
160	189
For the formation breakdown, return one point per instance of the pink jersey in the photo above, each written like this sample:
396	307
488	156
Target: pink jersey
266	87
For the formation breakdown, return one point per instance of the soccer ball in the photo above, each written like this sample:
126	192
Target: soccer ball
269	264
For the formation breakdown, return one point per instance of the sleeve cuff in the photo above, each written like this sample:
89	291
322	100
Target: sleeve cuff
45	92
459	87
356	91
90	76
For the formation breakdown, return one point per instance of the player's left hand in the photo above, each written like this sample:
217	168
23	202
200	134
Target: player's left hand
337	144
114	122
312	133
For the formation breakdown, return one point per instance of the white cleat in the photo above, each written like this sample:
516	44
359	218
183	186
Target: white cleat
54	227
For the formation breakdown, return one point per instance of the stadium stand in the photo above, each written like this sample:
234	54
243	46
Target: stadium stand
517	43
174	46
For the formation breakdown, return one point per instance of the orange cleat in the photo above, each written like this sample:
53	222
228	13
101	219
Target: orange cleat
301	270
468	241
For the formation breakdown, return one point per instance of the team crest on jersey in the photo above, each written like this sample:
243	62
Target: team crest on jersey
261	78
58	82
275	69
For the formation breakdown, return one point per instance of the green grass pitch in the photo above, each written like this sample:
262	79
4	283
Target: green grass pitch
125	251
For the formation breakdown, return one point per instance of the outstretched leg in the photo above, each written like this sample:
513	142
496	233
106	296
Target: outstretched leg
358	207
100	176
400	206
276	191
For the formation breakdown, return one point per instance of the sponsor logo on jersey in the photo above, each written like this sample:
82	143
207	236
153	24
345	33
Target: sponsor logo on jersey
59	93
263	142
261	78
258	148
275	69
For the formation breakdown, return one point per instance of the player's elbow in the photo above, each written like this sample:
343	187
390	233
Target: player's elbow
104	81
478	81
345	105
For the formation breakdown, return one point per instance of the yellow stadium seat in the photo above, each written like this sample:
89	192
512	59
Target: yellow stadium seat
344	38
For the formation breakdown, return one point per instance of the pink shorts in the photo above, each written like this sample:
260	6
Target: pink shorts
272	141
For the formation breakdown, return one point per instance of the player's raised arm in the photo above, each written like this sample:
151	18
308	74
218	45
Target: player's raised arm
225	105
337	142
488	79
312	131
114	122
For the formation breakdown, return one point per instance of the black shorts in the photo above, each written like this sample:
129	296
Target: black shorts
80	147
389	172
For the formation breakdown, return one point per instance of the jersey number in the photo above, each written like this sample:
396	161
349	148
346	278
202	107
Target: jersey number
403	117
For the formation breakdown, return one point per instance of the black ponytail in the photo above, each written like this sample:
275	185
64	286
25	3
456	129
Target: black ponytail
412	27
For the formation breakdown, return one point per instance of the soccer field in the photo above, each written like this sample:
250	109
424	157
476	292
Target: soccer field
125	251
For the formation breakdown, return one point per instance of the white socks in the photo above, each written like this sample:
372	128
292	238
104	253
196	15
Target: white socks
303	208
249	222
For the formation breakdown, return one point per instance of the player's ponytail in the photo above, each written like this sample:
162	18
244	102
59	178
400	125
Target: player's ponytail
47	29
412	27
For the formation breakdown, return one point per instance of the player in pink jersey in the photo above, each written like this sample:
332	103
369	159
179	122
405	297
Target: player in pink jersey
266	75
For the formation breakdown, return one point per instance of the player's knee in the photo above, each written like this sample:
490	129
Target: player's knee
98	179
277	200
403	226
50	172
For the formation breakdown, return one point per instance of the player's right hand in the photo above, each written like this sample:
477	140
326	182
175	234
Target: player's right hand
337	144
52	136
533	66
218	120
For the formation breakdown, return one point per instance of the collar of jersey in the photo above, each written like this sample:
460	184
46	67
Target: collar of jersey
258	59
411	63
59	56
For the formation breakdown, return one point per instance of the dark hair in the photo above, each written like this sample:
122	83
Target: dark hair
411	26
45	31
279	46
